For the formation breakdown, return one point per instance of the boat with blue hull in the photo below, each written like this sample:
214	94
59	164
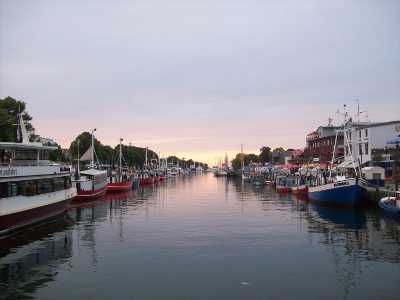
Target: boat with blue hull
348	192
391	206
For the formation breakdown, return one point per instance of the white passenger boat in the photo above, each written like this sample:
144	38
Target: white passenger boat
32	188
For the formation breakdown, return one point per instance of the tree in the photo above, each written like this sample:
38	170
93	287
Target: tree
265	154
9	110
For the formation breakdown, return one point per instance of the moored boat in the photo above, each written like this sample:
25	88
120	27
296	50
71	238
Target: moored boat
220	173
299	187
122	180
91	183
32	189
281	184
391	205
348	190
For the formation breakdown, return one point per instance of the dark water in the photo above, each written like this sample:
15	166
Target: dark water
200	237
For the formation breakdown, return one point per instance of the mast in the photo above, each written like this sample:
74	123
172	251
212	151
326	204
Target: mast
120	158
242	156
145	159
79	168
92	161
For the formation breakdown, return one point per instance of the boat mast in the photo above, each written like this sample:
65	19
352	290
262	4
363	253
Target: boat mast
120	158
79	168
92	161
145	160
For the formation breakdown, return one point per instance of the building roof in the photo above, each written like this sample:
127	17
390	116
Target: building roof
25	146
377	124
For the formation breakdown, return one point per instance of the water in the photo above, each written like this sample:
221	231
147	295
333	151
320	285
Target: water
202	237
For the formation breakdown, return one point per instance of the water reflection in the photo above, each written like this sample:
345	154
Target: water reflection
28	261
201	234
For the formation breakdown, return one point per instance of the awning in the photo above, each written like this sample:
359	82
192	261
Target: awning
347	164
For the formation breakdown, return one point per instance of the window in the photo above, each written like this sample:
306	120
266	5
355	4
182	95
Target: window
366	148
359	134
376	176
12	189
45	186
59	184
366	133
360	149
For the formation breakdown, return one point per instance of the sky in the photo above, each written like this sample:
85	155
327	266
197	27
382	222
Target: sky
199	78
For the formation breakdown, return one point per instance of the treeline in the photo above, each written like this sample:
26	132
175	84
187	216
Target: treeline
133	156
186	163
266	155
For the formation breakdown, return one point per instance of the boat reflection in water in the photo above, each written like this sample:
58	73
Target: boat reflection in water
29	260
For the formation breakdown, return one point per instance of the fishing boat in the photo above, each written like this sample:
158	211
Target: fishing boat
145	178
339	190
220	173
299	187
281	184
391	205
90	183
122	180
32	188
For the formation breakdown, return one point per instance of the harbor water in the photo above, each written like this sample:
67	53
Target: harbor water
202	237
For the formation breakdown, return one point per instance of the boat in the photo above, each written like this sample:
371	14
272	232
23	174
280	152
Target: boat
299	187
122	180
339	190
391	205
281	184
220	173
257	180
90	183
32	188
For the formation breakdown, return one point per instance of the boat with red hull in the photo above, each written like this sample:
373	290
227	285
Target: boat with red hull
119	186
146	181
281	184
90	195
300	190
91	183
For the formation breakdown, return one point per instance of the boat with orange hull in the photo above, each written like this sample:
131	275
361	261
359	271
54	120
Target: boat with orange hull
119	186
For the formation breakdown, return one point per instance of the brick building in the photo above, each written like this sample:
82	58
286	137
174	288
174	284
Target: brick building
320	144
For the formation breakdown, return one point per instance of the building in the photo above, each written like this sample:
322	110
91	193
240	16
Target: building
365	138
320	144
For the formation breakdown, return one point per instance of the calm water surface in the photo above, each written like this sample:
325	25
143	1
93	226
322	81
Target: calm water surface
201	237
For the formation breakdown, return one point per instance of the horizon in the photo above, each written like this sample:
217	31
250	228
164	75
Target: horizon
197	80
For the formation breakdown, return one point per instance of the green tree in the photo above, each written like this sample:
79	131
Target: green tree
9	110
265	154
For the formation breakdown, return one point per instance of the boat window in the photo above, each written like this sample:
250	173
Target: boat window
366	148
34	187
3	189
59	184
12	189
376	176
360	149
45	186
28	188
366	132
